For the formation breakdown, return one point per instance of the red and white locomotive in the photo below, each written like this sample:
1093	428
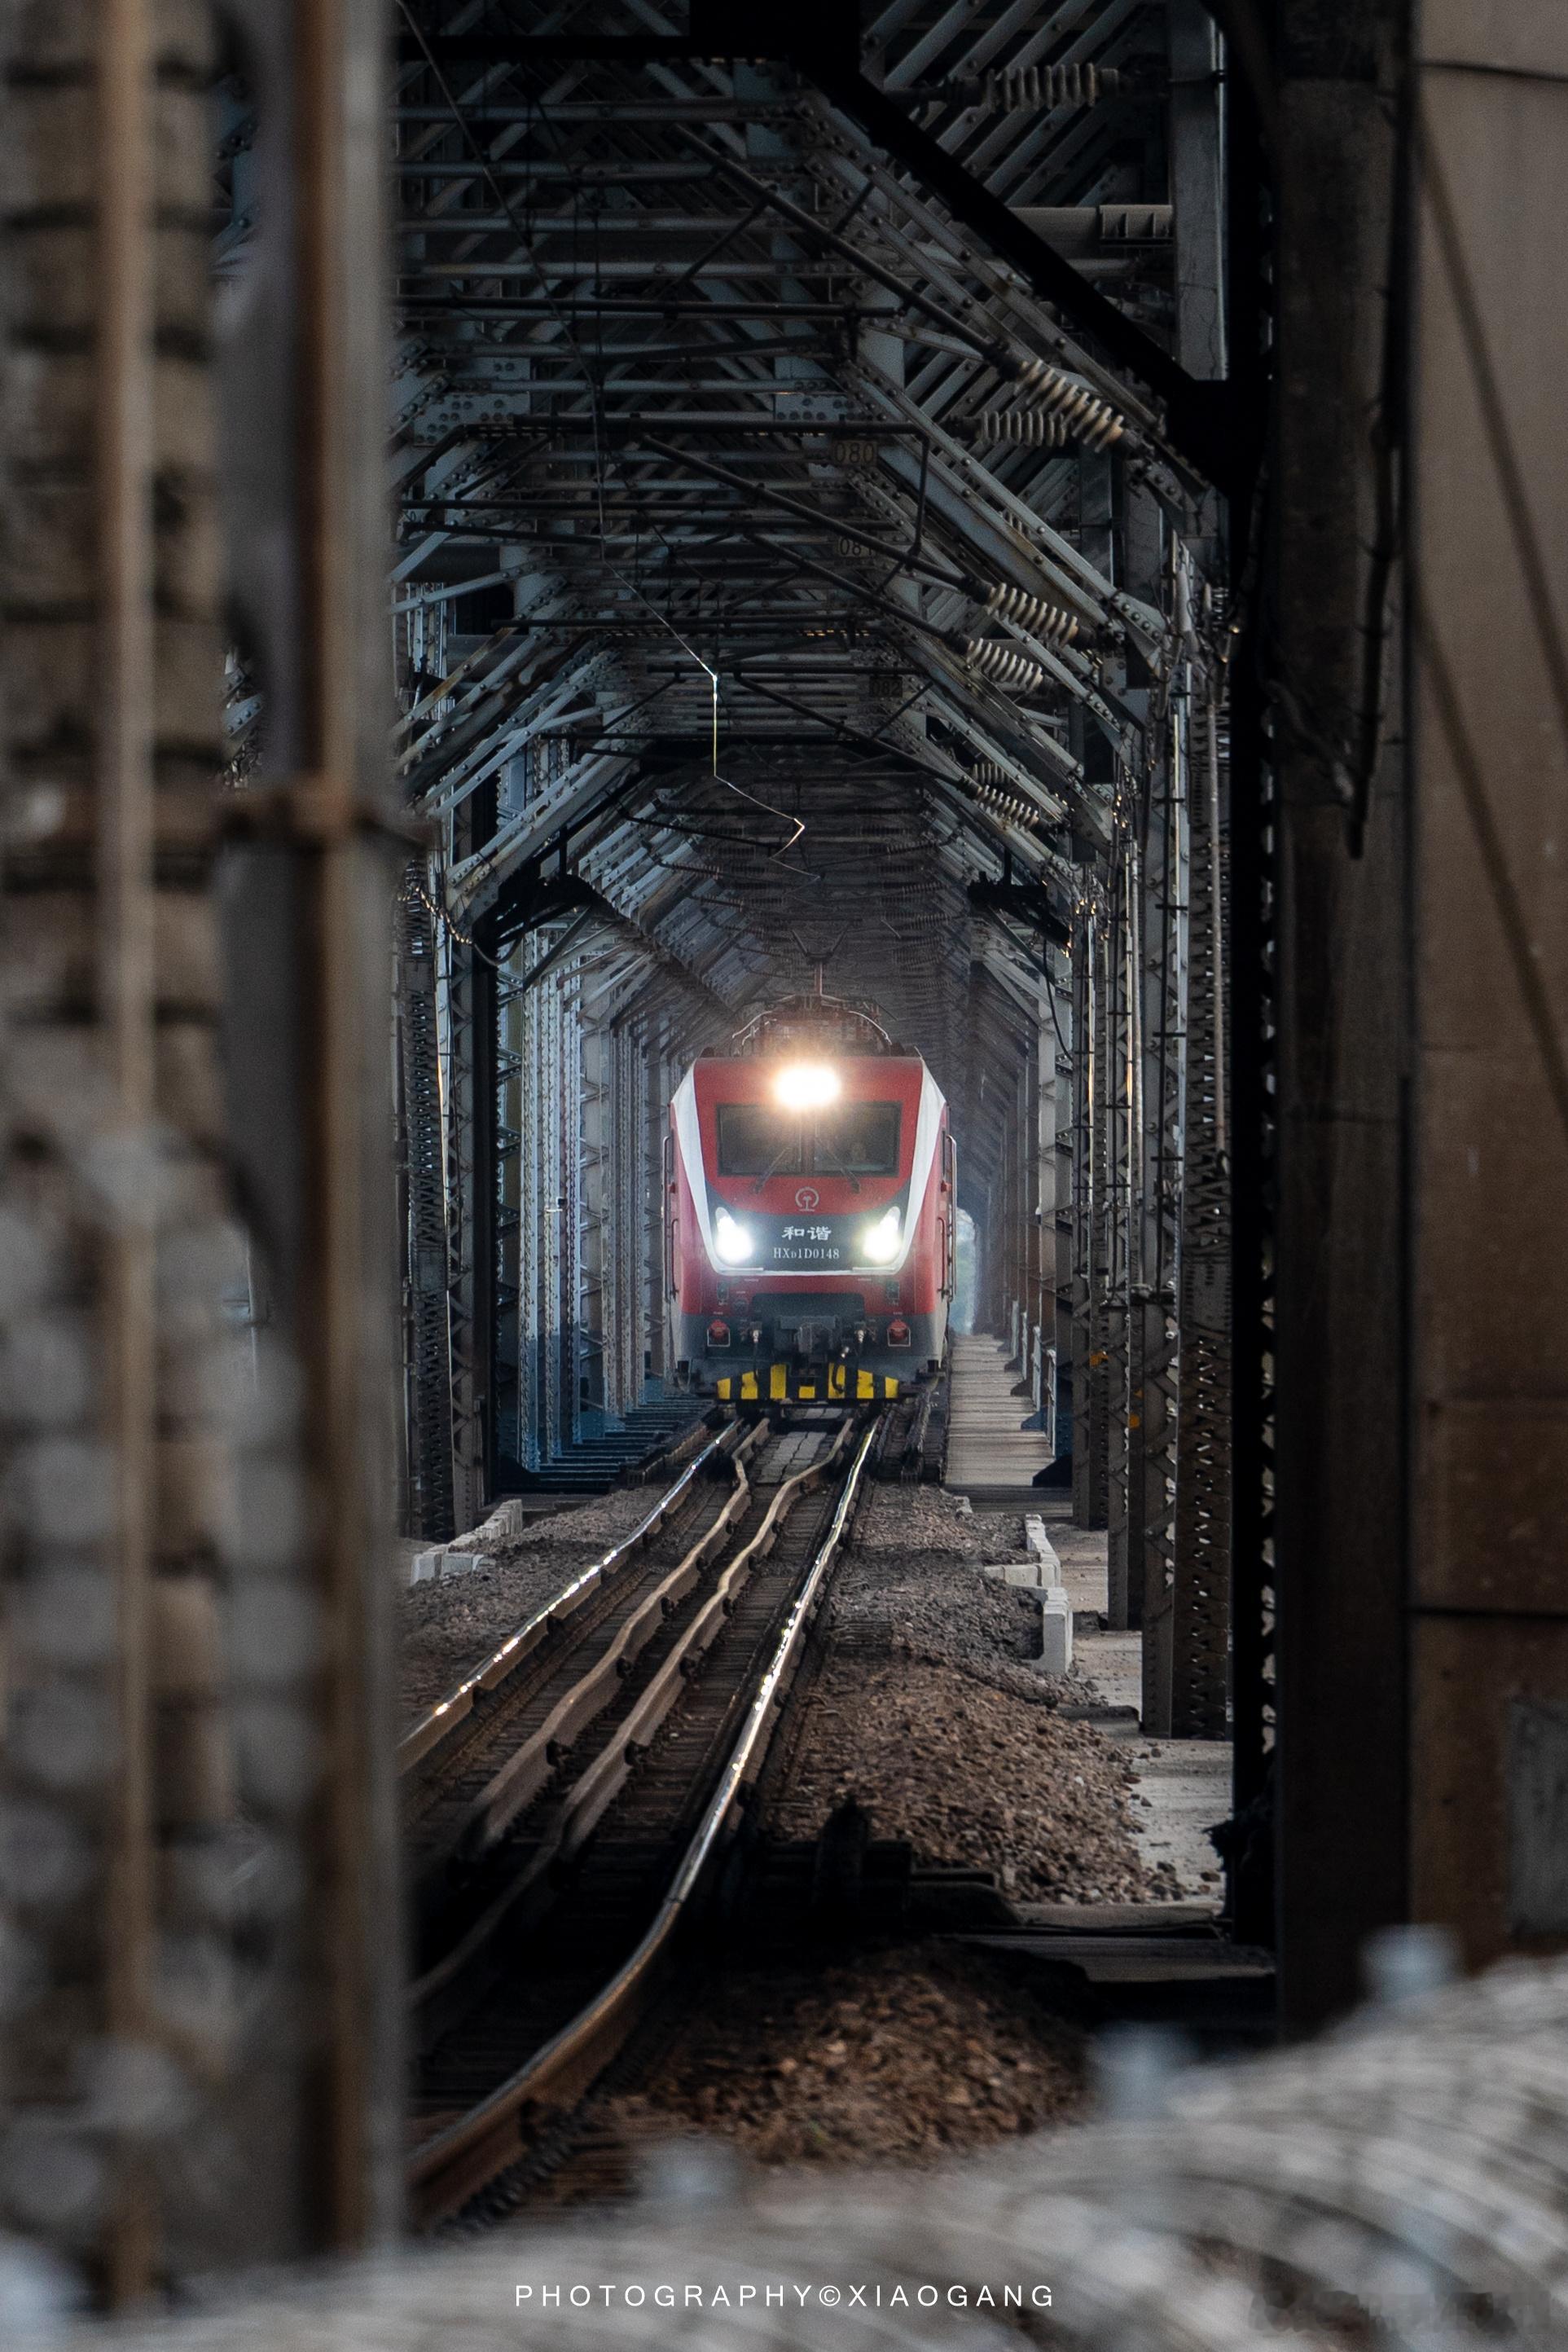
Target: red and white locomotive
810	1201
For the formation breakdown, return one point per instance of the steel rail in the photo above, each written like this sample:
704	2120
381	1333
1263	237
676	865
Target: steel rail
461	2160
441	1720
526	1770
592	1796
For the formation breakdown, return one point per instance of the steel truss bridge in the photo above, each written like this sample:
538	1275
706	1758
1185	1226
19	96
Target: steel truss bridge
811	476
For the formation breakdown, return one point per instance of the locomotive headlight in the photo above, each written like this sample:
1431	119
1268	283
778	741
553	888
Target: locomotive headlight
732	1242
805	1086
879	1243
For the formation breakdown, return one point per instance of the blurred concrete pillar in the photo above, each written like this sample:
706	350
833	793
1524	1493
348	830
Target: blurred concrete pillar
1489	1138
310	888
1422	742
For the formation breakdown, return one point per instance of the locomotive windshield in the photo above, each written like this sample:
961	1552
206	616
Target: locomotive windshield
755	1139
857	1139
852	1139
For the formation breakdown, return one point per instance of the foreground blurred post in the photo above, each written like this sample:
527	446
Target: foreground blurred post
200	1965
306	909
122	777
117	1795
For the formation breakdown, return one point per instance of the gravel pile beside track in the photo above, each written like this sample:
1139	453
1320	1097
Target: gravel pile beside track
969	1776
598	1524
926	1713
452	1623
904	2058
925	1604
927	1520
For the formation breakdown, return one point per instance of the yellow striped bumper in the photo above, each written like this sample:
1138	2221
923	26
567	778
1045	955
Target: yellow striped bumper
798	1384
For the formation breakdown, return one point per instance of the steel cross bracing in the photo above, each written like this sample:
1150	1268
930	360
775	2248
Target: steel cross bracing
783	580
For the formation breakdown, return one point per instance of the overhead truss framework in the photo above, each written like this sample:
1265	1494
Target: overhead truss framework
806	469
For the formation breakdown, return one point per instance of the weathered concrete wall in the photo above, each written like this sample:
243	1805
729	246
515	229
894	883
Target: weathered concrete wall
1489	1399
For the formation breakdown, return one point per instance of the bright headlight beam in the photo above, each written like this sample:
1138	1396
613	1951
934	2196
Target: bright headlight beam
805	1086
732	1242
879	1242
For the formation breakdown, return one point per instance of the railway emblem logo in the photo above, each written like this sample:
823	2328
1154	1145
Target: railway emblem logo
805	1198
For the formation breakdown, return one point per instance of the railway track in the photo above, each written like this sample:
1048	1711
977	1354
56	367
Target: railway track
514	2022
476	1762
914	1436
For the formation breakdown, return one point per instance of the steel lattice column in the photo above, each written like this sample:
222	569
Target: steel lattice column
1201	1590
1119	1062
597	1237
512	1111
1043	1138
661	1083
548	1207
1156	1382
533	1185
569	1224
1060	1198
627	1339
1091	1386
471	1159
427	1360
307	915
125	1777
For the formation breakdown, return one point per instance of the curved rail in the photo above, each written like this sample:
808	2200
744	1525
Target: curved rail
459	2160
528	1768
441	1720
591	1797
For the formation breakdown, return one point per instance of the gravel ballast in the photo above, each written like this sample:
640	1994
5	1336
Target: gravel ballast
451	1624
902	2058
970	1776
917	1518
932	1605
928	1713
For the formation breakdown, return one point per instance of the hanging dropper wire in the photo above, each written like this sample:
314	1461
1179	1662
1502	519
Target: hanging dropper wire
712	676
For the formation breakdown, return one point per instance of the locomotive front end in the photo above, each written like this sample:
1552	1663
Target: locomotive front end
809	1235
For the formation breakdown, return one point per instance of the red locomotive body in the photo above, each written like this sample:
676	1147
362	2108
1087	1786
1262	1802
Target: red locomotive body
810	1206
